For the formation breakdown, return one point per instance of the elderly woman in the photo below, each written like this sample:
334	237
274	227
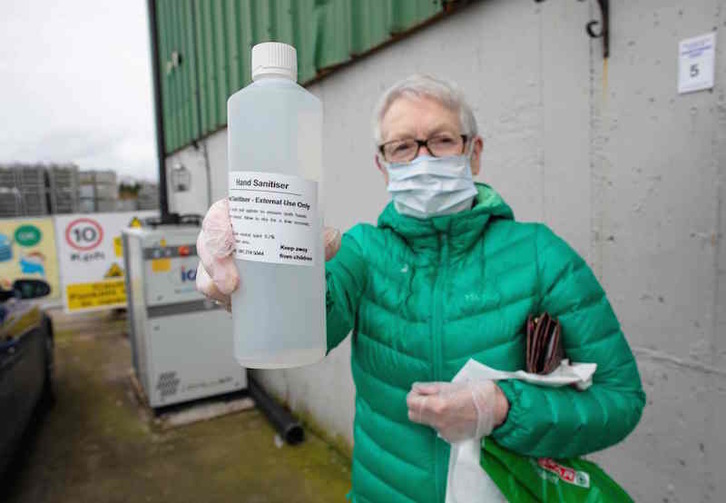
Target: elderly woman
448	275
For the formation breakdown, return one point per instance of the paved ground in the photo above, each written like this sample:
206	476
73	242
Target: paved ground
98	445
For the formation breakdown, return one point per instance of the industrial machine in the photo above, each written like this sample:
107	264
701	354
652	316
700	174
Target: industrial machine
182	343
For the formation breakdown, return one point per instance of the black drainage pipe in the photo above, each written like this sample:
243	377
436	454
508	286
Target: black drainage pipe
288	427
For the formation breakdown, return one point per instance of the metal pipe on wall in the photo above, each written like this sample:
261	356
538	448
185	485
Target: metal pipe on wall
158	112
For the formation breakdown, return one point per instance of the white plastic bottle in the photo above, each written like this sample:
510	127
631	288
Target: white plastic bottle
274	131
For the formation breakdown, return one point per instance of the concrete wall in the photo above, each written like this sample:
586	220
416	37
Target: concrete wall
612	158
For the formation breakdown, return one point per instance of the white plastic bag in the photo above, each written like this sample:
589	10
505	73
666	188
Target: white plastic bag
467	481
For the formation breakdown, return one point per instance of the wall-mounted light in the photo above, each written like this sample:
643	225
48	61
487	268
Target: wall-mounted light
173	62
181	178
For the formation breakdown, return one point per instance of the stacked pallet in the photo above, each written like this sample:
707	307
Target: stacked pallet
25	192
63	188
98	191
148	197
11	201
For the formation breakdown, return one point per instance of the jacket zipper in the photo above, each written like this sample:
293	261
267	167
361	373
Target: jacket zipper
436	330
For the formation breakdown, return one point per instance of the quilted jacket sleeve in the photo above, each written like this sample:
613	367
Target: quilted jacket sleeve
345	277
564	422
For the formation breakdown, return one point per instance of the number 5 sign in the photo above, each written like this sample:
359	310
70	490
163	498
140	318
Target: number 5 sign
696	58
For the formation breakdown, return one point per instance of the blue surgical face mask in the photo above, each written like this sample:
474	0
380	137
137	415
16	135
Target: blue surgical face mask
431	186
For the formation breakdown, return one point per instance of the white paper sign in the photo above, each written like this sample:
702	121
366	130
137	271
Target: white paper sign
696	58
90	256
274	218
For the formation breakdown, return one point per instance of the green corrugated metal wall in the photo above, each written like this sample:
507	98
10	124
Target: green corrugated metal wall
213	39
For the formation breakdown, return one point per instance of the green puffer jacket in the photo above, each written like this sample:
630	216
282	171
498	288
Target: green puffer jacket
424	296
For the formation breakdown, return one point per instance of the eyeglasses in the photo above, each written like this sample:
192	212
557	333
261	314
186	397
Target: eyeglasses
407	150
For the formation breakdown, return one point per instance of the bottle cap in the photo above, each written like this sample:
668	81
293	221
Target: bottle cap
274	58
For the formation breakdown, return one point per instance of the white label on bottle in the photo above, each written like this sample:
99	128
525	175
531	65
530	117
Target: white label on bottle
274	217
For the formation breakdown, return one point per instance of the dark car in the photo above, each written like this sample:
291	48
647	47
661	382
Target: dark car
26	362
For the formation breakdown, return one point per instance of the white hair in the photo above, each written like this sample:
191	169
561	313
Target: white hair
418	86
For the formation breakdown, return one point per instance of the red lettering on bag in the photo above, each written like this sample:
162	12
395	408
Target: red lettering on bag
565	473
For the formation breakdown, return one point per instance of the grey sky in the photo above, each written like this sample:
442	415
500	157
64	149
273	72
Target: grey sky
75	84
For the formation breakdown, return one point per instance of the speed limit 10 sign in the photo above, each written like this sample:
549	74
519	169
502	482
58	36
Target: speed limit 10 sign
84	234
90	257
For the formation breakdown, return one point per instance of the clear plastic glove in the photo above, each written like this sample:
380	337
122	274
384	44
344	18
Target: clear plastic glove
458	411
217	274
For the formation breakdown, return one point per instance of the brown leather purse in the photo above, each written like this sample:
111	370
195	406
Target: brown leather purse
544	344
